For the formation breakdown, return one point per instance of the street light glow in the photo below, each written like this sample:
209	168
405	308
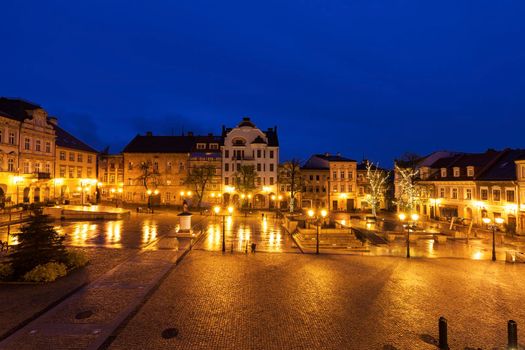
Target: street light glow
310	213
324	213
486	220
230	209
415	217
499	221
402	216
217	209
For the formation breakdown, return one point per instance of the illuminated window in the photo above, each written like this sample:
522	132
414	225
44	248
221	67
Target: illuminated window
456	172
470	171
510	196
27	144
496	195
468	193
443	172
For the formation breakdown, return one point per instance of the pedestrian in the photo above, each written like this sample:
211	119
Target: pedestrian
254	245
262	216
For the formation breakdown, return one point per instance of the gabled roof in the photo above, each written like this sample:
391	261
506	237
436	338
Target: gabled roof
333	158
66	140
259	140
16	109
169	144
504	168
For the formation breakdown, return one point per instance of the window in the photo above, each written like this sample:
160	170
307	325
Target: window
168	196
523	171
71	172
226	167
156	166
79	172
443	172
71	156
12	139
496	195
238	167
271	180
456	172
510	196
271	167
342	174
48	147
47	168
334	174
38	145
454	193
226	154
317	177
201	146
37	167
130	196
442	192
468	193
271	154
90	159
88	172
130	166
350	175
62	155
11	165
111	179
258	166
214	146
168	167
470	171
62	171
26	167
226	181
79	158
335	188
258	153
27	144
484	194
130	181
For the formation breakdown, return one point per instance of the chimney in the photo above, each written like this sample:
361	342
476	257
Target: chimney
53	120
149	133
246	119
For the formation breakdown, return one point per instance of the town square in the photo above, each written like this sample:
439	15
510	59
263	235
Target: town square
249	175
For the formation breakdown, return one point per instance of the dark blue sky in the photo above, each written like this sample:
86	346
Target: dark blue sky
372	78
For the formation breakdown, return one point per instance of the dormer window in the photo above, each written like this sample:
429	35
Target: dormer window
456	172
443	172
201	146
470	171
214	146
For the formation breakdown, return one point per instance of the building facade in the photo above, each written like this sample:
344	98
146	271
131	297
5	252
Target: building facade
330	180
110	177
248	147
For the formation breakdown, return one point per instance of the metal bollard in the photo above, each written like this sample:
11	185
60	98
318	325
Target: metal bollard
443	335
512	331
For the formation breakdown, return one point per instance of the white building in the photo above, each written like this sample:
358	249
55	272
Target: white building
247	145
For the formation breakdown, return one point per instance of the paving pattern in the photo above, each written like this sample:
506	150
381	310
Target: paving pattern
294	301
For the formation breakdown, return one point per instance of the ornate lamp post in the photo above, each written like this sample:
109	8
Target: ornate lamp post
317	217
410	225
498	221
217	211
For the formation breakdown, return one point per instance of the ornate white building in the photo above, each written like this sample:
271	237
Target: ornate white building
248	146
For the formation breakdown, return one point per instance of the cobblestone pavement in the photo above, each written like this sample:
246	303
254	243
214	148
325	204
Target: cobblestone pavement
87	318
293	301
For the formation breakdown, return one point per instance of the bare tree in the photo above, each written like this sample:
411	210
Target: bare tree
198	178
290	176
377	185
408	193
150	176
245	179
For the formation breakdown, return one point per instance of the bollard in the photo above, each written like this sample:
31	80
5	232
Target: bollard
512	331
443	336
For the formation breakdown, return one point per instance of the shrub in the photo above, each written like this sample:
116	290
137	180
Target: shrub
76	258
39	244
46	273
6	271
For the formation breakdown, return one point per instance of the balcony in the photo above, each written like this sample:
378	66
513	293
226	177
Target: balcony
42	175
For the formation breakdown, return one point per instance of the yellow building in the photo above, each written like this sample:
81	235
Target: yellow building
111	177
27	152
75	169
520	175
330	180
156	167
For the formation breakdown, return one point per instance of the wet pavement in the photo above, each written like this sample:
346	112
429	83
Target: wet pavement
296	301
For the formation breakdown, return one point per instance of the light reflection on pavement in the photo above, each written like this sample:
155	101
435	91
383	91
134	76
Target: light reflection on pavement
242	231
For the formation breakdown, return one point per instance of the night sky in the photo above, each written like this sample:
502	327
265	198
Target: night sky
364	78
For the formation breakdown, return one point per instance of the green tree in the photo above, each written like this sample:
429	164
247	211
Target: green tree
290	176
198	178
38	243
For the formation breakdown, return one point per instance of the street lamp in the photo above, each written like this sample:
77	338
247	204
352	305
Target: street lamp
217	211
411	225
317	217
498	221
